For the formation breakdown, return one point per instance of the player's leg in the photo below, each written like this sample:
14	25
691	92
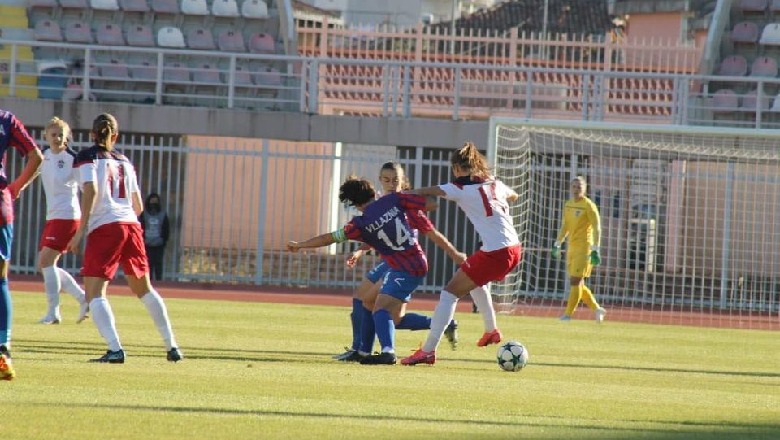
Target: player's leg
47	263
6	308
136	268
484	302
101	260
578	265
590	299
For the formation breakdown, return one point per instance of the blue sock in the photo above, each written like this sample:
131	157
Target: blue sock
385	329
5	312
357	318
367	331
414	321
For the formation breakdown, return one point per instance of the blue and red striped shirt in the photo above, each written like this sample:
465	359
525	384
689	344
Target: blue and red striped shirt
384	226
12	134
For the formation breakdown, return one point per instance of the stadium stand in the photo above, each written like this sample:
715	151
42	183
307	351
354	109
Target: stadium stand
733	65
47	30
140	35
170	36
78	32
109	34
225	8
200	38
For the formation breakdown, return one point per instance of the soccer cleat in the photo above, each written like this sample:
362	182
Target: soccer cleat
174	355
6	366
347	353
600	314
451	332
491	337
49	320
420	357
565	318
355	356
379	359
83	313
111	357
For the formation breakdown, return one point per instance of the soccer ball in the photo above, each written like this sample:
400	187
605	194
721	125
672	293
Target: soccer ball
512	356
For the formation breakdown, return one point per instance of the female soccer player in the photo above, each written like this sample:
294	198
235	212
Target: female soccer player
392	177
582	225
384	226
110	205
484	199
63	215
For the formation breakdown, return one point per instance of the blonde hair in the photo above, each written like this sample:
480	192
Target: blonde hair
103	127
468	158
581	179
57	122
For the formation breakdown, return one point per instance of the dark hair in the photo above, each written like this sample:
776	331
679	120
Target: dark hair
104	126
399	169
470	159
356	191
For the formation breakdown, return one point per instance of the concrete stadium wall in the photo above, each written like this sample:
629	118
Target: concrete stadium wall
254	124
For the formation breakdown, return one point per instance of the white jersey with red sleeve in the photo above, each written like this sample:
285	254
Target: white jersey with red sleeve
115	182
60	184
485	204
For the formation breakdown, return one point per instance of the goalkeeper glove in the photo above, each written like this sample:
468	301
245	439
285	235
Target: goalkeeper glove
556	250
595	257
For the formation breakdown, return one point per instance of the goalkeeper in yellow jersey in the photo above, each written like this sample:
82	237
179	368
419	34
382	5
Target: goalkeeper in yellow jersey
582	225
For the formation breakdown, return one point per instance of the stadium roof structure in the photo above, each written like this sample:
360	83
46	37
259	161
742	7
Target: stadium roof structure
582	17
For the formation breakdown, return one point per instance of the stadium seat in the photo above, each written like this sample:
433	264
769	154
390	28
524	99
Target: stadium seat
170	36
201	39
143	71
109	34
166	7
47	30
268	76
243	78
206	74
52	79
750	101
776	104
254	9
745	32
764	67
733	65
42	3
140	35
176	73
231	41
725	100
770	36
74	4
194	7
261	43
774	7
78	32
115	70
225	8
753	6
104	5
134	5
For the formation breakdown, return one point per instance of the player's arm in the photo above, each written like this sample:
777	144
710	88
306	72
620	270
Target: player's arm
28	174
88	193
441	241
428	191
562	233
355	256
318	241
595	222
138	203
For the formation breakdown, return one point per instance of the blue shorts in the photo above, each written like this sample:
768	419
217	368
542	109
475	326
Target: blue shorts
400	285
378	272
6	238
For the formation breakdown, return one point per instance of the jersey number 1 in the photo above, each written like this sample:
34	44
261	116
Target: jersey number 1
116	182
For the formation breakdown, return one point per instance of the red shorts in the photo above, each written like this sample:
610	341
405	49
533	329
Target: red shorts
57	233
484	267
113	244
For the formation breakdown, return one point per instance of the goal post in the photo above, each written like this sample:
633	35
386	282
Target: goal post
690	219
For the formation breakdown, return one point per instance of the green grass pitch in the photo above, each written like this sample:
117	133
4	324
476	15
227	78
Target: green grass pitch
264	371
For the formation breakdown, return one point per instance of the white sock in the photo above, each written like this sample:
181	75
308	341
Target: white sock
51	282
442	315
484	303
156	308
71	286
103	317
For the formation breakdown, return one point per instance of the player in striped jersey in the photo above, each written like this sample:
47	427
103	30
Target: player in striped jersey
63	215
485	201
382	225
110	205
392	178
582	225
12	134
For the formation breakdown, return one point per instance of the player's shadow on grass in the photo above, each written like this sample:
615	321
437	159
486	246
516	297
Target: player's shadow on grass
681	429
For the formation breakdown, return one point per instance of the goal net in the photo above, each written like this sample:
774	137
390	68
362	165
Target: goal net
690	220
